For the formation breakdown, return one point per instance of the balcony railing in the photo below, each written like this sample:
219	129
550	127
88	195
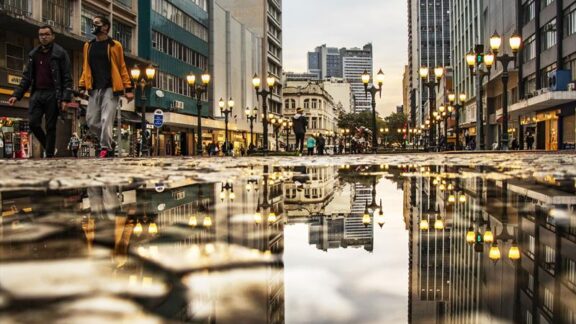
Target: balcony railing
125	3
16	7
56	13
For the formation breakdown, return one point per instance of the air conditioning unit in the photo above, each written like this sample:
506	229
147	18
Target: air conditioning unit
177	104
558	80
50	22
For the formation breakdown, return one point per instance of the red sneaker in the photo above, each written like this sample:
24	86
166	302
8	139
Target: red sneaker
103	153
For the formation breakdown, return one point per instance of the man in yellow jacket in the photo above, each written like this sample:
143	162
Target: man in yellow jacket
105	77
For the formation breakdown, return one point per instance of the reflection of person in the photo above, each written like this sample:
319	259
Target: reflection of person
299	124
49	79
74	144
105	77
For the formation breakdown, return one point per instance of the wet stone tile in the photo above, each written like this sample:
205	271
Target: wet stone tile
182	257
53	249
27	232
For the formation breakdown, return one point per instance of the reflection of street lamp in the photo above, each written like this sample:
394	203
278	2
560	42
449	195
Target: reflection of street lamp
373	91
197	90
227	190
256	82
144	82
251	114
265	210
226	111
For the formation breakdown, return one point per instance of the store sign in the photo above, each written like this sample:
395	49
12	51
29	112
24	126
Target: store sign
158	118
14	79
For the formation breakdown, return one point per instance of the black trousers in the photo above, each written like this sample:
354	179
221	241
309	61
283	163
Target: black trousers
299	142
44	103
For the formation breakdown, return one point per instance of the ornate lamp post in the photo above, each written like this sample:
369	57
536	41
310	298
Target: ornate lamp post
384	131
251	115
432	84
458	105
226	110
144	81
505	59
276	123
373	91
197	90
256	82
475	59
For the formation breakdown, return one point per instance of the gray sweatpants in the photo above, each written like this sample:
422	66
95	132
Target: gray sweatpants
100	115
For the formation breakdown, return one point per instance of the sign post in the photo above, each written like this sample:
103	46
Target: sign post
158	122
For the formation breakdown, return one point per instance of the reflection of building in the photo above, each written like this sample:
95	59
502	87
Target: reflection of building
340	230
309	192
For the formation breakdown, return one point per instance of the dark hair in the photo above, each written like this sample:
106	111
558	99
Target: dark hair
104	20
47	27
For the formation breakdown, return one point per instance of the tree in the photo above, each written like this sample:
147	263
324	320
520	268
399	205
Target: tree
394	122
354	121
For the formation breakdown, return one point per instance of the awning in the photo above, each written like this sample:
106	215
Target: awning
130	117
545	100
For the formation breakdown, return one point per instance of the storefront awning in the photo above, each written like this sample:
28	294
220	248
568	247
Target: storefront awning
543	101
130	117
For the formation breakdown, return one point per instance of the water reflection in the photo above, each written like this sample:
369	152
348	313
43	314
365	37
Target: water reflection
470	245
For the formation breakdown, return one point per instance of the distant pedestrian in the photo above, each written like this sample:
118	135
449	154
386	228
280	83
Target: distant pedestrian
105	77
311	144
74	144
299	125
321	143
530	140
48	76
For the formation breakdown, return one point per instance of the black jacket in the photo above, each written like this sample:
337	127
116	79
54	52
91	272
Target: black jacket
61	73
299	124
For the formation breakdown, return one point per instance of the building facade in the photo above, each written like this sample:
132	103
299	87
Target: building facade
354	62
325	62
429	45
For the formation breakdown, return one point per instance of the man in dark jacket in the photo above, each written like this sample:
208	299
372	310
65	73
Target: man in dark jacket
49	79
299	125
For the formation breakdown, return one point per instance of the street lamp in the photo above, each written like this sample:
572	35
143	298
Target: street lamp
251	114
287	124
256	82
226	110
373	91
458	104
197	89
384	131
475	58
143	80
515	43
276	123
431	84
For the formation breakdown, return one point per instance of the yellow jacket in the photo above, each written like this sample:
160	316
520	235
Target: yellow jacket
120	78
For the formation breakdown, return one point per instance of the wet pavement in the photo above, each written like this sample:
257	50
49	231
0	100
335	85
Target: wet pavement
422	238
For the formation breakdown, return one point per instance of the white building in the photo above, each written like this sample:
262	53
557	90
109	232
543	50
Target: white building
341	92
354	62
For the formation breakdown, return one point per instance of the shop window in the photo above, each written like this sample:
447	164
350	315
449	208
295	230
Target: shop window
14	57
123	33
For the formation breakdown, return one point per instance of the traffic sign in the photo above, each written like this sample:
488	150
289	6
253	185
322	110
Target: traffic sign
158	118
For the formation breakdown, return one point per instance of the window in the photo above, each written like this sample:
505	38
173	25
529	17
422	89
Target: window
86	21
314	103
180	18
125	3
548	35
531	242
179	51
528	12
570	271
56	12
123	33
306	103
570	64
545	75
529	50
545	3
14	57
570	20
549	258
548	300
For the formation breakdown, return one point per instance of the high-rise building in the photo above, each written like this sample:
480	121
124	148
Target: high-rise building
325	62
264	18
354	62
429	45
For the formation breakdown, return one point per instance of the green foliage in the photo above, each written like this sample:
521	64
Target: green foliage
353	121
394	122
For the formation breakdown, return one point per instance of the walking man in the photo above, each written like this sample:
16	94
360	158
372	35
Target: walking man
48	77
299	125
105	77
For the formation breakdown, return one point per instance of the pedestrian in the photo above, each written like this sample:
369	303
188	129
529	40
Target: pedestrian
105	77
310	144
74	144
242	150
515	144
529	140
299	125
49	78
321	144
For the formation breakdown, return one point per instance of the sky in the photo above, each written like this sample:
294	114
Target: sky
345	23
